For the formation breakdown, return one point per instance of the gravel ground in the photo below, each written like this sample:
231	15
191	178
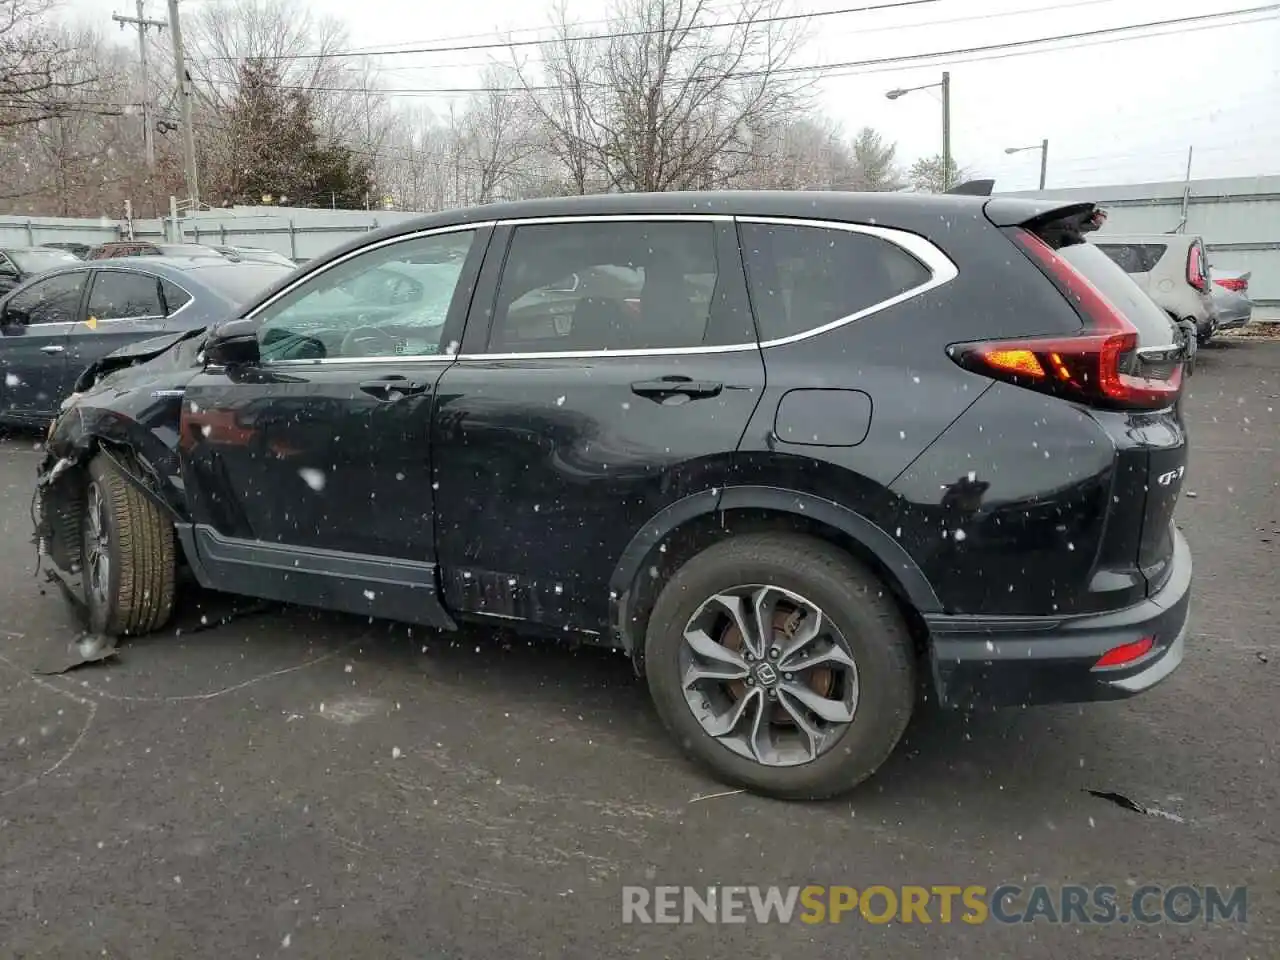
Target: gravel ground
295	784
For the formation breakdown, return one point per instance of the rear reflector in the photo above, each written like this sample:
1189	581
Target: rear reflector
1126	653
1086	367
1238	284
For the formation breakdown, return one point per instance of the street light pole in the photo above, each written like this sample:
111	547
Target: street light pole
946	120
946	131
1043	147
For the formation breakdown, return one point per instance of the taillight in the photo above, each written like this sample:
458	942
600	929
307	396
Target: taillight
1237	284
1087	366
1195	268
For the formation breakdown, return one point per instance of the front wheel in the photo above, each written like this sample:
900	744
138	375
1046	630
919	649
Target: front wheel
127	555
782	665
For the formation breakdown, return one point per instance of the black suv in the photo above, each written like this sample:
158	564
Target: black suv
788	451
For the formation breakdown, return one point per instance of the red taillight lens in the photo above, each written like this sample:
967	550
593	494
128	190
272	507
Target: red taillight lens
1126	653
1087	366
1238	284
1195	268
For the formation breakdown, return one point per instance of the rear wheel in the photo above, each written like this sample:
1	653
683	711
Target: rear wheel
781	664
127	555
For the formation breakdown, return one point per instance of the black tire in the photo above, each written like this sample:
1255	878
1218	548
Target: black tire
858	604
136	594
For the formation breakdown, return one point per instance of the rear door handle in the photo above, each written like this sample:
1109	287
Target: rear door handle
676	386
52	348
393	388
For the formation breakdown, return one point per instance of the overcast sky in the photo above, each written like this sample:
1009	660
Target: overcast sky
1113	112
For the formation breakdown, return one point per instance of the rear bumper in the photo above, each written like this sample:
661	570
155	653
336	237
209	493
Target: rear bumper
1016	661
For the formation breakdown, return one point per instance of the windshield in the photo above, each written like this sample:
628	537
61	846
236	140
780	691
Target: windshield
241	282
37	261
1155	329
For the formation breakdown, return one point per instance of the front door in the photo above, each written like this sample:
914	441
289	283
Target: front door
316	463
616	378
34	331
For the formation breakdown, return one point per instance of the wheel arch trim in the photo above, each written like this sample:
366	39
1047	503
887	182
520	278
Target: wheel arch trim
880	544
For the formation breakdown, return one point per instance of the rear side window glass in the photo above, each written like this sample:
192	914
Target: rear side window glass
174	296
628	285
804	277
117	295
1134	257
1155	329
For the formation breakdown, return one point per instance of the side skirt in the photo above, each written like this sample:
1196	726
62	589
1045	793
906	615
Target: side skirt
391	589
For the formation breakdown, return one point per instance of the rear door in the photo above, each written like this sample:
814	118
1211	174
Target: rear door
34	330
124	306
615	379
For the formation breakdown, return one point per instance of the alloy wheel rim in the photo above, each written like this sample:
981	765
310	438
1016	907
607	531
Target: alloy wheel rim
768	675
97	558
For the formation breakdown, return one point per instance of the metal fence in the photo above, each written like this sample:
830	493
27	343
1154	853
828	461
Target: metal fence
299	234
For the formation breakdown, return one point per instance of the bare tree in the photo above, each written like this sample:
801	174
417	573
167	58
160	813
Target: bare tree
670	96
38	74
495	137
561	100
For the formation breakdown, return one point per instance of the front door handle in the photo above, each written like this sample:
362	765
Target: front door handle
52	348
393	388
675	386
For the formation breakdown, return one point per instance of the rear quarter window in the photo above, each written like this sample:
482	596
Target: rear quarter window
1134	257
804	277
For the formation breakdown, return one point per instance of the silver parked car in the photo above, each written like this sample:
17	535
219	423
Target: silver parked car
1230	294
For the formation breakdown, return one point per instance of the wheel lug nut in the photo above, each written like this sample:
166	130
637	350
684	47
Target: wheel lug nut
751	681
774	653
773	694
788	676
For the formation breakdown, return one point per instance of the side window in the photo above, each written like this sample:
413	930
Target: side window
174	297
55	300
622	285
803	277
391	301
116	295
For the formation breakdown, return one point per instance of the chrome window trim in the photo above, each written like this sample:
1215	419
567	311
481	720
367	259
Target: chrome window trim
941	268
351	255
134	271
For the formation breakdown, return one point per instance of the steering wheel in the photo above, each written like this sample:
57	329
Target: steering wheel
368	342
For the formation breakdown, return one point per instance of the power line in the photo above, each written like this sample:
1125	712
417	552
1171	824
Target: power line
854	65
586	38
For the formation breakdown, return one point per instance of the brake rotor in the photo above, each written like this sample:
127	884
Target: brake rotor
821	680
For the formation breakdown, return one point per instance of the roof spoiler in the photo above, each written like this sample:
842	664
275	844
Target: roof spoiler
973	188
1059	224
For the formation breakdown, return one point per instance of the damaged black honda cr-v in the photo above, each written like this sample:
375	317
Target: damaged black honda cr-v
788	451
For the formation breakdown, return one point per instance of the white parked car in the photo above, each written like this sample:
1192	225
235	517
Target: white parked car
1174	271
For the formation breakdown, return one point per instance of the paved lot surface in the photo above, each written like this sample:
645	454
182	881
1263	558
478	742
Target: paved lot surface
292	784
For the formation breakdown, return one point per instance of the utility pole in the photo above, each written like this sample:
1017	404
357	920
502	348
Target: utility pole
1044	160
184	100
946	131
142	23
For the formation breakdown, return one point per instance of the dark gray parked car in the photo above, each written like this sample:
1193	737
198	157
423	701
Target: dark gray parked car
57	324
